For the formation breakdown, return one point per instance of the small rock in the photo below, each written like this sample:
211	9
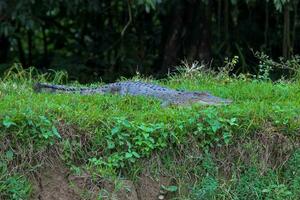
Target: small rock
161	197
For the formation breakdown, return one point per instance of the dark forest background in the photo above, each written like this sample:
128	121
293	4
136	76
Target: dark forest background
93	39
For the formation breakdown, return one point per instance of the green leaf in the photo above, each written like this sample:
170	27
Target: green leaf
115	130
45	120
171	188
233	121
265	190
227	137
55	132
110	144
215	126
9	155
126	123
7	122
128	155
146	129
136	154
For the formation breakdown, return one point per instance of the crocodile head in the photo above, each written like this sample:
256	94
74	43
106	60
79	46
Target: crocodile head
206	98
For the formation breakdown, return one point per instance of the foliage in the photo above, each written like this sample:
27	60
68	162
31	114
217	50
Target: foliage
109	135
126	142
251	184
267	65
213	129
37	130
291	173
92	39
206	189
12	186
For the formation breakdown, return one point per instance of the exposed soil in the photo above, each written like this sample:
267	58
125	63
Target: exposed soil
150	189
55	182
52	183
268	148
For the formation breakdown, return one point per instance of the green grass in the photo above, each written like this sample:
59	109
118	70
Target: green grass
111	135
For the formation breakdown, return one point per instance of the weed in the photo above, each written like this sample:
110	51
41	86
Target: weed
267	65
116	135
13	186
230	64
213	129
37	129
206	189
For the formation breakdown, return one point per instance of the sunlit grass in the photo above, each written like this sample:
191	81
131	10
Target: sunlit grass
255	103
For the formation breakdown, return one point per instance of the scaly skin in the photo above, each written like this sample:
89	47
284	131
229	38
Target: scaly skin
166	95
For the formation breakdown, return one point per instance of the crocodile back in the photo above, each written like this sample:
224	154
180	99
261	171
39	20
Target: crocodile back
141	88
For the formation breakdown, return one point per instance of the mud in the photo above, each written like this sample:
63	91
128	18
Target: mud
56	182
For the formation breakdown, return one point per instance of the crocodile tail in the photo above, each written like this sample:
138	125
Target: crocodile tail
49	88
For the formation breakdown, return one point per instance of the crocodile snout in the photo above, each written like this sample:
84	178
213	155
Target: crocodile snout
213	100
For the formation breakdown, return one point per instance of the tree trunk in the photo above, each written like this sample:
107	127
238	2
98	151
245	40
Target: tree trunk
173	31
219	17
266	33
45	47
204	49
29	34
188	34
295	5
4	49
21	53
286	45
192	28
226	20
198	31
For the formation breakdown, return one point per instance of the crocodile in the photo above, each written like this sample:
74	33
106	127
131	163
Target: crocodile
168	96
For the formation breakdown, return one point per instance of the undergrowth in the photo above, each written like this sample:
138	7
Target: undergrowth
109	135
